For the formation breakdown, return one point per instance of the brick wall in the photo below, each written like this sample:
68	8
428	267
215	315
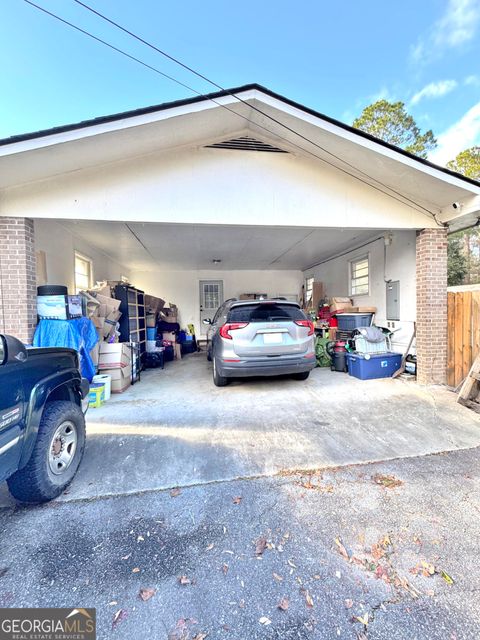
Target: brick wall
17	278
432	306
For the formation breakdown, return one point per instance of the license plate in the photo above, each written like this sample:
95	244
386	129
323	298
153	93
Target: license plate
272	338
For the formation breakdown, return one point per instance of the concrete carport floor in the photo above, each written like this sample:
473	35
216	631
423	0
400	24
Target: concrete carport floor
175	428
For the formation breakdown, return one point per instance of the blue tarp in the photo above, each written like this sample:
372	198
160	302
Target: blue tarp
79	334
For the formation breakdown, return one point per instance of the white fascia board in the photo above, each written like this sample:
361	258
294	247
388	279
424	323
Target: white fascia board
118	125
467	207
359	140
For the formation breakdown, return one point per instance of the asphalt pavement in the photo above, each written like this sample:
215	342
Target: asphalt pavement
386	550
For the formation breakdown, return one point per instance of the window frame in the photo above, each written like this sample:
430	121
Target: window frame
351	267
308	279
80	256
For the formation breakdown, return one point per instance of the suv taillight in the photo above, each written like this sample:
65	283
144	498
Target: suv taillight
308	324
231	326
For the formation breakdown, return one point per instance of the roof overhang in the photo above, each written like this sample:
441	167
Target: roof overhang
253	109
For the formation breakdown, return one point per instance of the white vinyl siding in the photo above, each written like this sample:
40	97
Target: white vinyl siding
359	276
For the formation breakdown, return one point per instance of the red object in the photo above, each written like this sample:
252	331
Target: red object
231	326
306	323
333	322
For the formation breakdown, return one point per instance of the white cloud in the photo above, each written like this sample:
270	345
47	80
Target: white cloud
434	90
457	26
473	81
461	135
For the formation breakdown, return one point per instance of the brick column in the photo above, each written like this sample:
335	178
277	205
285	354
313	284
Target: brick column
18	284
432	306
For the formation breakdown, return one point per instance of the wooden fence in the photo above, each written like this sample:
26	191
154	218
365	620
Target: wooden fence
463	334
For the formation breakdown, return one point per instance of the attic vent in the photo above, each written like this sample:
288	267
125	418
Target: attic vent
246	143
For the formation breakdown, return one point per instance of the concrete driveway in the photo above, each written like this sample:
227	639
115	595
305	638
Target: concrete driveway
175	428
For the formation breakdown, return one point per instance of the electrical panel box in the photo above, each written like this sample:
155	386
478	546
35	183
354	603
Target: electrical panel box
393	300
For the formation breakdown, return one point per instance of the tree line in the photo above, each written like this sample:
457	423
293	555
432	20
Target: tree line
390	121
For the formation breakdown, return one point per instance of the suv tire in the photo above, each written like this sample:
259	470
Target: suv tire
218	380
62	425
301	376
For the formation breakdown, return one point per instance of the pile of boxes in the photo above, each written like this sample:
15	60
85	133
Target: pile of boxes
115	360
345	305
103	311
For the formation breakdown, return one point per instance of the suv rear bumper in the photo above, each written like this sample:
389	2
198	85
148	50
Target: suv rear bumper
274	367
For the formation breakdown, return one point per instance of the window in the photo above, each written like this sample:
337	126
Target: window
359	280
83	272
265	312
309	288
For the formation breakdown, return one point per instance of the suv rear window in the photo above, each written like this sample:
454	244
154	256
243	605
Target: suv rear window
265	313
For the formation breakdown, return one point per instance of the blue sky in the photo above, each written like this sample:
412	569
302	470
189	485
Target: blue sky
335	57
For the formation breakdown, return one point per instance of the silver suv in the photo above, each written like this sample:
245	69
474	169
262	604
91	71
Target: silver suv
260	338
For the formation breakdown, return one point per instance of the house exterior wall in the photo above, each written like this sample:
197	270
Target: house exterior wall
215	186
60	245
18	313
399	265
183	289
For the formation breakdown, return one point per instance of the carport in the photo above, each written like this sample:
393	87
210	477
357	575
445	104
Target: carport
275	191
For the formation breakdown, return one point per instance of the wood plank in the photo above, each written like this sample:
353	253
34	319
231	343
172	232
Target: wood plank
470	381
458	331
467	332
451	340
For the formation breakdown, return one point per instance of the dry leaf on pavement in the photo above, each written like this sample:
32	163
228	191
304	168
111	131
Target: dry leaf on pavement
308	598
175	492
225	568
119	615
342	550
237	500
260	546
283	604
265	620
389	482
145	594
348	603
184	580
136	570
277	577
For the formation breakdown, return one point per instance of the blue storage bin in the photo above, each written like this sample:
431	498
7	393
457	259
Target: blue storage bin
151	333
351	321
382	365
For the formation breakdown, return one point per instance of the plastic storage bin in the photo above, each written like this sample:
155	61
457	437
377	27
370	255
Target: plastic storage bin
106	381
151	333
351	321
96	396
374	366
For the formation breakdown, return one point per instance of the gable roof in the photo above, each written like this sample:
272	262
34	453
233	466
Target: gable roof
44	133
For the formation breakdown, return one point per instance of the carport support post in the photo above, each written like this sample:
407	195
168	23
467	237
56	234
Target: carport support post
431	337
18	313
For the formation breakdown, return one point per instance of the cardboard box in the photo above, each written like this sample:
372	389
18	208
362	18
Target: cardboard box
178	351
110	323
121	379
168	335
339	308
252	296
111	303
115	356
367	309
91	304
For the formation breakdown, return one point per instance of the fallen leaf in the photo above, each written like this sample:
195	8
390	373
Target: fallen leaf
283	604
389	482
264	620
175	492
126	557
225	569
140	539
145	594
363	620
428	569
291	563
210	547
184	580
377	551
260	546
119	615
446	577
112	603
241	604
317	577
308	598
136	570
237	500
277	577
341	548
348	603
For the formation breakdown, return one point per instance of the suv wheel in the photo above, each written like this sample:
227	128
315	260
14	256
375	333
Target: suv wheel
56	455
218	380
301	376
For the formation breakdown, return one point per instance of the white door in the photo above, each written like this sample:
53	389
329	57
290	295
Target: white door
211	297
